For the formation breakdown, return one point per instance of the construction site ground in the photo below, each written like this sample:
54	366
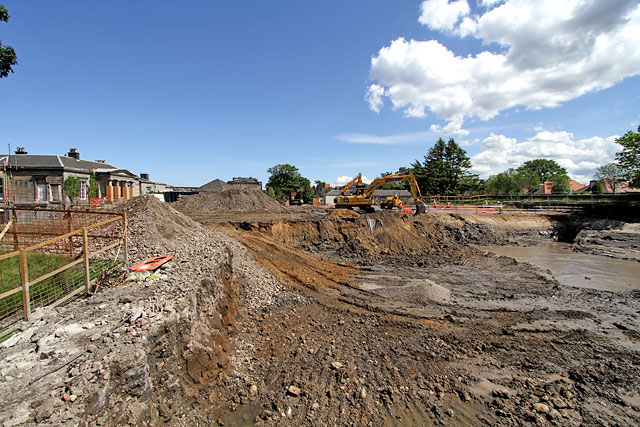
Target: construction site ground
314	316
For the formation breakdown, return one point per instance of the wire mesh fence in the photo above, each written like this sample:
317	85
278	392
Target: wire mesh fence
48	256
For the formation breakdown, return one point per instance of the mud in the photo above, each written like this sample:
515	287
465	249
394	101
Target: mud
301	317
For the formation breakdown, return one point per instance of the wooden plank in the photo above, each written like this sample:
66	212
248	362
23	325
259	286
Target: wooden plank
105	222
65	298
93	212
24	275
54	272
16	243
54	240
106	248
11	292
5	229
125	237
9	255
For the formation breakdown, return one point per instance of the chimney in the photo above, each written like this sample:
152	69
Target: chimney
73	153
101	161
20	150
144	176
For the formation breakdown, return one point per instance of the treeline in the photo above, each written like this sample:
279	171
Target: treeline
445	170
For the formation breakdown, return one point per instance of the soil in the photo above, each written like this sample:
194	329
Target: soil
311	317
232	199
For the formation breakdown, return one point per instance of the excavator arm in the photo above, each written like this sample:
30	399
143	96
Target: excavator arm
364	199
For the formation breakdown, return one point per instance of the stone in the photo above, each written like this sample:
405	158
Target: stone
253	390
541	408
315	406
336	365
294	391
363	393
45	410
501	393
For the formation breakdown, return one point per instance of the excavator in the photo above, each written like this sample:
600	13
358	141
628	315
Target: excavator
363	196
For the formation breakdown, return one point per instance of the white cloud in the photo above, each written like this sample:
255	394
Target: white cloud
581	158
442	14
343	180
374	97
452	128
400	138
551	51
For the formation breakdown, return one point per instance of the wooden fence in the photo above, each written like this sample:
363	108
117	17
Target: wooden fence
51	270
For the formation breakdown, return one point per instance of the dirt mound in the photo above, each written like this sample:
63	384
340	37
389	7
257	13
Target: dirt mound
233	199
342	213
153	224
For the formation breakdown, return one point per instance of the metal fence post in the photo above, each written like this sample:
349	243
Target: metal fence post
85	253
24	276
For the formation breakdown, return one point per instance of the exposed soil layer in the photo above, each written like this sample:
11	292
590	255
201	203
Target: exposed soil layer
302	318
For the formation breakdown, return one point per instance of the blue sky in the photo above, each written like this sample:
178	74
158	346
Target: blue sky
197	90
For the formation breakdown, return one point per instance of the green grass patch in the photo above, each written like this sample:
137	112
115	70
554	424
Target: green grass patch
48	290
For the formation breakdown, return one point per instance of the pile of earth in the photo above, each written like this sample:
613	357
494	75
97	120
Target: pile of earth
102	353
233	199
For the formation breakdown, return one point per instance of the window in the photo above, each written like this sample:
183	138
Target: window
42	193
55	192
1	188
83	190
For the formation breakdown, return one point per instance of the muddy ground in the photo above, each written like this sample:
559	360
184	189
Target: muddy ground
309	317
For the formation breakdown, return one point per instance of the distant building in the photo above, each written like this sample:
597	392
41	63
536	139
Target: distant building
38	179
547	187
148	187
606	187
242	182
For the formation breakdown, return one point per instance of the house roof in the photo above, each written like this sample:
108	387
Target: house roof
215	185
50	161
575	185
334	193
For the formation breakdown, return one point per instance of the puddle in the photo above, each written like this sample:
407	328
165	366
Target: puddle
243	416
575	268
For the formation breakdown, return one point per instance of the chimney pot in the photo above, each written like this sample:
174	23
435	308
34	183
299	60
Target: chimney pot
73	153
20	150
144	176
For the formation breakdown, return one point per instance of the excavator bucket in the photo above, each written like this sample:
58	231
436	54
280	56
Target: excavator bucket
420	208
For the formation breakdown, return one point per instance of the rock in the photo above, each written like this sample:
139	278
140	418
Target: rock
336	365
363	393
315	406
253	390
12	341
124	299
92	348
45	410
294	391
501	393
66	397
541	408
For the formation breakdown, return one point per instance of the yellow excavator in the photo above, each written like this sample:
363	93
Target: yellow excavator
363	196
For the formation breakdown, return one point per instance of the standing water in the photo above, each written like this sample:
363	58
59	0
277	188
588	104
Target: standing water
575	268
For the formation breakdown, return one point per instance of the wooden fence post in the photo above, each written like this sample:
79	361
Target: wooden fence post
125	245
16	242
24	276
85	254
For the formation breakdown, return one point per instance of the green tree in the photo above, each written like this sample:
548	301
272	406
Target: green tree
527	181
629	157
545	169
271	192
320	188
612	174
443	168
8	56
504	182
72	188
93	190
286	178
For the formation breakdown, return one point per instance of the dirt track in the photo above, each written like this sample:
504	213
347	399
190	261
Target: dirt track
339	319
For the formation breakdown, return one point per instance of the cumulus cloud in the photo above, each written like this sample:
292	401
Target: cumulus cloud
549	52
442	14
343	180
581	157
452	128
